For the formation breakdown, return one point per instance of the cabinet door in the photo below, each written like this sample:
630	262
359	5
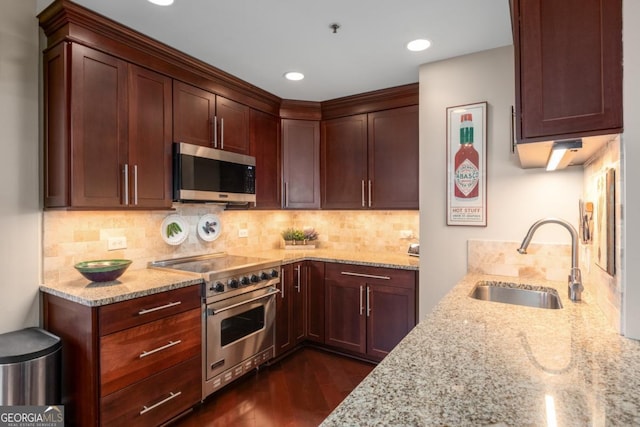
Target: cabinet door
265	146
98	128
298	323
345	320
301	164
284	336
150	120
390	316
344	163
232	126
393	159
314	300
193	114
568	67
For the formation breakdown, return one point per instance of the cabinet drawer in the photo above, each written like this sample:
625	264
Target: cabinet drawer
127	314
133	354
156	399
388	276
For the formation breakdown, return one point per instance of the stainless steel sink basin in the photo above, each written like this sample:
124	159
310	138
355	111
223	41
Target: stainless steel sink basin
512	293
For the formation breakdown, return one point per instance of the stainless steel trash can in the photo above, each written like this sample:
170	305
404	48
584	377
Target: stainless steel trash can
30	368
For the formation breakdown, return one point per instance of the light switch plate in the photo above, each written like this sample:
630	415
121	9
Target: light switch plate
243	232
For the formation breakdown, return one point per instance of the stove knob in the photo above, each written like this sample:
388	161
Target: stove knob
218	287
245	280
233	283
255	278
265	276
274	273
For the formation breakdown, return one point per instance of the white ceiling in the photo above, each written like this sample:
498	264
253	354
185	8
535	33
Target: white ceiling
259	40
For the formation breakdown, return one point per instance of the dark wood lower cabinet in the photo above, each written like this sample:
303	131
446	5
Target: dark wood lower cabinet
117	368
364	311
300	309
368	309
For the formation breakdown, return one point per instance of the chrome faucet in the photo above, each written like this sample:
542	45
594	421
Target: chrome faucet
575	277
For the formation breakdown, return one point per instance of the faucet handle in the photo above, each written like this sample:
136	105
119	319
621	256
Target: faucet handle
575	285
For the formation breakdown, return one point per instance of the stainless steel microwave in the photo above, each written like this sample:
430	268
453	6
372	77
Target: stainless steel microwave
202	174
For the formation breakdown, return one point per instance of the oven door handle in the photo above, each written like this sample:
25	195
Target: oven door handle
271	293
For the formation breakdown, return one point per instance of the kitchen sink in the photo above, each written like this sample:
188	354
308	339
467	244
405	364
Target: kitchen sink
518	294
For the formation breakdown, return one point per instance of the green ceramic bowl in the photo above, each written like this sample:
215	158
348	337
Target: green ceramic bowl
104	270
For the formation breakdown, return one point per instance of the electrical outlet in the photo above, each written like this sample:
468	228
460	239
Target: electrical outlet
114	243
243	232
406	234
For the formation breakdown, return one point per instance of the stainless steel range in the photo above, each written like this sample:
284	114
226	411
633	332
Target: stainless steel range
238	313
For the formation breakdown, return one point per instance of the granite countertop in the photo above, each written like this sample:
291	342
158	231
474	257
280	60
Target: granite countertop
132	284
374	259
473	363
141	282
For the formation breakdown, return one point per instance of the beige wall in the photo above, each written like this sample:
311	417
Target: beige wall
20	217
516	197
71	237
630	171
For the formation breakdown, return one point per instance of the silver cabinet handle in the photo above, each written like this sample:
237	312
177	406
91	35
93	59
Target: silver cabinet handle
215	131
135	184
368	301
155	350
369	193
363	205
370	276
361	306
221	133
126	184
298	270
282	282
172	395
161	307
286	195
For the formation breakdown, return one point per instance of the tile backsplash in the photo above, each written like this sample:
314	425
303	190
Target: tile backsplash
72	236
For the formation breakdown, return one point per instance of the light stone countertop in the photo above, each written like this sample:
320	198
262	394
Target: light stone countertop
132	284
374	259
475	363
142	282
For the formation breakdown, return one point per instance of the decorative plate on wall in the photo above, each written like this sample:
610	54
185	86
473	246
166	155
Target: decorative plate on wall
209	227
174	230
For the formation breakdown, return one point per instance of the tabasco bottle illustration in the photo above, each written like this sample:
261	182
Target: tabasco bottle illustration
467	172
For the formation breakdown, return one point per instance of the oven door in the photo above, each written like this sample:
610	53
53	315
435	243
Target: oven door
238	328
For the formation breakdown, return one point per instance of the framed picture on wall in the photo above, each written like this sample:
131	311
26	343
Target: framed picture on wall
467	165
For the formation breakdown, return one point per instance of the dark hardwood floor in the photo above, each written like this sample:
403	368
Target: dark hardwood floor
298	391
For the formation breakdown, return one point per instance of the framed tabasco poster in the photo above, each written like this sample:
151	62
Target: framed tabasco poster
467	165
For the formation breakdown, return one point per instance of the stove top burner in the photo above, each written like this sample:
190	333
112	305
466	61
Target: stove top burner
226	275
218	264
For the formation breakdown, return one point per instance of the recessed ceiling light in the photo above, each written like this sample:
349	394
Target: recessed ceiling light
161	2
418	45
293	75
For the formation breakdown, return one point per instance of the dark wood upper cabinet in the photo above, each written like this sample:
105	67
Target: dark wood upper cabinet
98	112
344	162
204	118
568	68
150	119
265	146
371	160
393	158
301	164
116	153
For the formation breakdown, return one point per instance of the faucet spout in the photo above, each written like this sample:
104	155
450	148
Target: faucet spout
575	276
